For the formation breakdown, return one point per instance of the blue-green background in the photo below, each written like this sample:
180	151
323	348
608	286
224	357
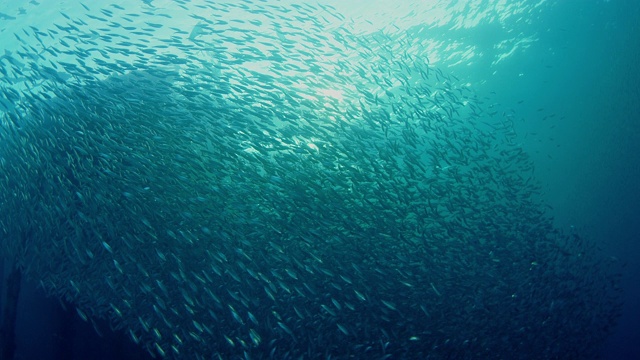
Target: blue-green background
574	90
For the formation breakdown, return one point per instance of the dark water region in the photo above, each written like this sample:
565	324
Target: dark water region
588	158
49	329
284	180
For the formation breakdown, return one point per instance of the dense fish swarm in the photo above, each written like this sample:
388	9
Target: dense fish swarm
270	185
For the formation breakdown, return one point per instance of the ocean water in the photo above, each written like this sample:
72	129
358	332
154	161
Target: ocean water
289	179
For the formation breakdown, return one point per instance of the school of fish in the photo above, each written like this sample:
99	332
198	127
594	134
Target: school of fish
267	184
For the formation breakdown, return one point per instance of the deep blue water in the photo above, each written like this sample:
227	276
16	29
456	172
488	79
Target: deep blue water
566	70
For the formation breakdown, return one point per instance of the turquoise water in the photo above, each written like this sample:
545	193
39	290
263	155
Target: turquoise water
288	179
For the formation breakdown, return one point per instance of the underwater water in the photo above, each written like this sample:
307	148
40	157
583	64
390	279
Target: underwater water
290	179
